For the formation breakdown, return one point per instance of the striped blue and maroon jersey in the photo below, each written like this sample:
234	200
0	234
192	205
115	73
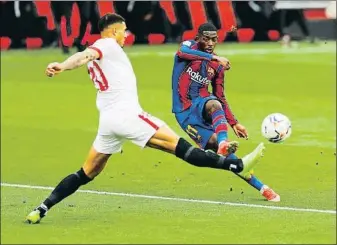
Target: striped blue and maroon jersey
193	71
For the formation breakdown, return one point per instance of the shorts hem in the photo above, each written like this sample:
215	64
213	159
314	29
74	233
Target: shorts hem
144	143
107	152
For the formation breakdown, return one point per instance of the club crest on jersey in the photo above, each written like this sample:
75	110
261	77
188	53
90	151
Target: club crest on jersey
210	71
196	77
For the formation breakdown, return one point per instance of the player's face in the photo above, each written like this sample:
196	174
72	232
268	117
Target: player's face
119	31
207	43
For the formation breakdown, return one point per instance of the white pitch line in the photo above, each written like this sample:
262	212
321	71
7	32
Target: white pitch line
178	199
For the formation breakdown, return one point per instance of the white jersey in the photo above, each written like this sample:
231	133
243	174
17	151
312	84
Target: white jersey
121	117
114	78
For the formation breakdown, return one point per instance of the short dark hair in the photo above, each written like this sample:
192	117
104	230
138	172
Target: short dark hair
109	19
206	27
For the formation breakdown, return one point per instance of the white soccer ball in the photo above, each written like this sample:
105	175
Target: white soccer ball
276	127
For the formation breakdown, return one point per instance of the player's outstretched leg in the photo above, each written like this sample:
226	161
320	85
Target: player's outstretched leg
251	179
255	182
94	164
165	139
215	112
248	177
265	190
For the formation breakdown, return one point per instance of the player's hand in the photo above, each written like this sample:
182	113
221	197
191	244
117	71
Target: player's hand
240	131
53	69
223	61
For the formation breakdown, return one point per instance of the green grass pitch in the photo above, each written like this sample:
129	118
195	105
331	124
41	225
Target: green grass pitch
48	125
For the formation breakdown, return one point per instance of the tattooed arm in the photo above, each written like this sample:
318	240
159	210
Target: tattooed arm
73	62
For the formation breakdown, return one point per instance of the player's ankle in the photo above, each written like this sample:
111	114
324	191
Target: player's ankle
43	210
264	187
226	141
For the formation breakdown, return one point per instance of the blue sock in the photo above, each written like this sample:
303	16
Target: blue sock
253	181
232	156
219	123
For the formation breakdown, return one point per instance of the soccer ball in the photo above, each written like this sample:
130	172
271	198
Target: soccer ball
276	127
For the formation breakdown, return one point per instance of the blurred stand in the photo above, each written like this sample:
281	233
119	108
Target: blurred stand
330	10
62	9
287	17
183	17
212	13
143	18
88	15
19	20
291	14
263	17
254	15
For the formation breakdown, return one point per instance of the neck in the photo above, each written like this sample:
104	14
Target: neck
107	35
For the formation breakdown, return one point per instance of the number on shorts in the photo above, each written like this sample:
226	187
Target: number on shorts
193	133
98	77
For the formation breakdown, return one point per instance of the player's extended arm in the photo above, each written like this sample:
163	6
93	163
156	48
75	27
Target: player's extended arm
80	58
73	62
187	52
218	91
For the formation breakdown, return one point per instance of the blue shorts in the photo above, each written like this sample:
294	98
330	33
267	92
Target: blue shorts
193	123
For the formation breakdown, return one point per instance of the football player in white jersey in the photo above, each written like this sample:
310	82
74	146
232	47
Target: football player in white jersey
122	118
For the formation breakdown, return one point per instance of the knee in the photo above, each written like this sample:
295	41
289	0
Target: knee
171	144
213	105
167	144
174	139
212	144
93	167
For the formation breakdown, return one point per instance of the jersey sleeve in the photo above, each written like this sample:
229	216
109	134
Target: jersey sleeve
188	51
104	47
218	84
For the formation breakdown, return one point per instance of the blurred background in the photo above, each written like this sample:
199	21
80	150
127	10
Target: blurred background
36	24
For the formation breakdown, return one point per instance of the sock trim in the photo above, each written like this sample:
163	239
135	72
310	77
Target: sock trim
188	152
217	111
219	117
44	207
82	176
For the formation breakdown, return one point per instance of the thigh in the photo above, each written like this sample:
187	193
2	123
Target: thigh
194	123
140	128
108	144
196	128
195	114
200	134
164	139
